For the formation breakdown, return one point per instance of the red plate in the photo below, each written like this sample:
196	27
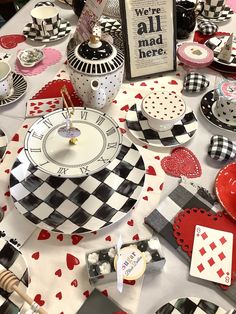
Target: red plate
226	188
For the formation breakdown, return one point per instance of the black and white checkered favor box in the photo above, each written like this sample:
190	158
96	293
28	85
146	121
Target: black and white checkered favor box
221	148
195	82
100	263
207	27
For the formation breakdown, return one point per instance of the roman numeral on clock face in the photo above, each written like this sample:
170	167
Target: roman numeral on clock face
100	120
38	136
35	150
112	145
83	115
84	169
48	123
62	170
104	160
111	131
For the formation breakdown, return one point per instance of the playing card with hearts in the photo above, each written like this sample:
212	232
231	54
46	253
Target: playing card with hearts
212	255
39	107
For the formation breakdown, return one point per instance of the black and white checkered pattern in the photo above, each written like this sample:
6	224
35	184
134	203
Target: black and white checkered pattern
182	131
44	3
225	15
20	86
207	27
213	8
78	205
12	260
221	148
3	143
30	32
190	305
113	28
195	82
216	43
185	195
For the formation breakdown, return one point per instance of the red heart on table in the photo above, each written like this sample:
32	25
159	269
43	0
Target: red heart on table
139	96
11	41
182	162
151	171
145	146
15	138
161	186
86	293
4	208
60	237
44	235
149	189
19	150
105	293
7	170
59	295
38	299
76	239
130	222
123	131
58	273
143	84
145	198
74	283
186	220
35	255
25	126
7	193
136	237
71	261
108	238
125	108
173	82
121	119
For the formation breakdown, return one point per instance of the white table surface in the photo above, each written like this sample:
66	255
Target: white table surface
173	281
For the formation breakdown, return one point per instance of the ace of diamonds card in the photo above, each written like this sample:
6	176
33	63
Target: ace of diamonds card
212	255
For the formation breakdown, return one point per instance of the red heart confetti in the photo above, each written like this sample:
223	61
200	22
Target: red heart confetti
15	138
161	186
149	189
122	130
125	108
145	146
38	299
35	255
130	222
108	238
7	193
151	171
182	162
60	237
19	150
58	273
145	198
105	293
59	295
74	283
86	293
76	238
25	126
71	261
44	235
173	82
143	84
157	157
8	152
4	208
121	119
136	237
7	170
139	96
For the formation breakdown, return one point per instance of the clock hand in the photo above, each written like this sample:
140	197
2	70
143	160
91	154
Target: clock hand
69	131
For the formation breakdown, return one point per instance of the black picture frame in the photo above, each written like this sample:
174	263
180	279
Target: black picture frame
149	36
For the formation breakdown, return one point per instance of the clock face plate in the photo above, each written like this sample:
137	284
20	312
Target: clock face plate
98	144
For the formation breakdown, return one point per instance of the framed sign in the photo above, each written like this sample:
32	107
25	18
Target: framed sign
149	35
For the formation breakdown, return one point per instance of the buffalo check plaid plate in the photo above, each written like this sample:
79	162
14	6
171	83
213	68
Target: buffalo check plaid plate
12	260
181	132
185	195
190	305
78	205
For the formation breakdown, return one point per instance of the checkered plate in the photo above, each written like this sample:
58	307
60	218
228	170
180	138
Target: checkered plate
12	259
19	88
30	32
3	143
78	205
216	43
189	305
182	131
207	108
225	15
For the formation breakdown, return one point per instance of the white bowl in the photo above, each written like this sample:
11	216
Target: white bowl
30	57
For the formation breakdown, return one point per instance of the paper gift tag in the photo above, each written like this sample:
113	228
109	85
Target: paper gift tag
212	255
40	107
97	302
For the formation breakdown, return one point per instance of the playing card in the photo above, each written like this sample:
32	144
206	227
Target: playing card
4	56
212	255
40	107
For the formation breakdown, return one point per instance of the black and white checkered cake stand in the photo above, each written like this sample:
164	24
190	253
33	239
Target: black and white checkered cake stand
30	32
12	260
208	104
181	132
225	15
78	205
3	143
189	305
216	43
